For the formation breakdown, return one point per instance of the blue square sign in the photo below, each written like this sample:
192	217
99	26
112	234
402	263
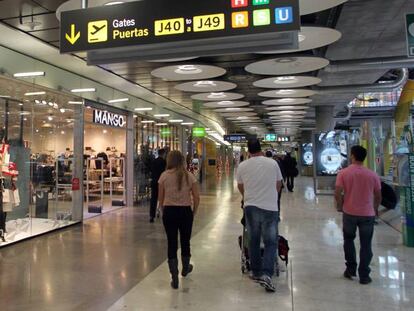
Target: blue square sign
284	15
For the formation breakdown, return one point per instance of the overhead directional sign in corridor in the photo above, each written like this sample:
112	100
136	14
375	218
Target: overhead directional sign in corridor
146	23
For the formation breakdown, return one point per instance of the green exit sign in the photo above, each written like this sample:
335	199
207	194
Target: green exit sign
199	132
410	34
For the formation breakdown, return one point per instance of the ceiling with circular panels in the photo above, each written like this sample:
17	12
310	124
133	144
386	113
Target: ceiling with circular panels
206	86
311	38
188	72
287	65
217	96
313	6
286	112
234	109
282	108
288	93
226	103
287	82
243	119
239	114
287	101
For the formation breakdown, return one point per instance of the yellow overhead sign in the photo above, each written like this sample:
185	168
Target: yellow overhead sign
98	31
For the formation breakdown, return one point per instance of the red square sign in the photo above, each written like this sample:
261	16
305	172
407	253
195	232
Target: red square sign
239	3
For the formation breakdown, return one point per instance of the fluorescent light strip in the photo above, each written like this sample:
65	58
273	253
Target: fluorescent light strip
161	124
120	100
143	109
176	121
83	90
34	93
75	103
147	122
5	96
161	115
187	123
29	74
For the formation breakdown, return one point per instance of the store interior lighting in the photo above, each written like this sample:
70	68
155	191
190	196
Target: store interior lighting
34	93
161	115
29	74
143	109
119	100
85	90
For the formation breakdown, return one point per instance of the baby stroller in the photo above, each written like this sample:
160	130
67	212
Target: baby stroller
283	251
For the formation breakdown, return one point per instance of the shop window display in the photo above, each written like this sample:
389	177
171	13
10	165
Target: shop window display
36	169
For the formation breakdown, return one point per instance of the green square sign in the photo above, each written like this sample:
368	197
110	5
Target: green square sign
261	17
261	2
410	34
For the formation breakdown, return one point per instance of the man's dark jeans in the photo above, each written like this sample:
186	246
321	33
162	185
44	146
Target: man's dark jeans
365	226
262	223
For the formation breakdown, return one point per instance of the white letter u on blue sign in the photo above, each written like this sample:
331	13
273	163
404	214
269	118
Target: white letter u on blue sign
284	15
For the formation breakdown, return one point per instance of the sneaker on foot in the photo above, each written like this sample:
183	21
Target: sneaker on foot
365	281
267	283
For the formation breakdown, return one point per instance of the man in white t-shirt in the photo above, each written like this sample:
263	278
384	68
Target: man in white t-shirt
259	181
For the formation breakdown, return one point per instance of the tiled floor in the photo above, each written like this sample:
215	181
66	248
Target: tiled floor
117	261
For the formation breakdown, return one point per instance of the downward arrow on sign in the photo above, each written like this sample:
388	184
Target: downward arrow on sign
73	37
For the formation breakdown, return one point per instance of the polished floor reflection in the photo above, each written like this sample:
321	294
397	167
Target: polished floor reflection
117	262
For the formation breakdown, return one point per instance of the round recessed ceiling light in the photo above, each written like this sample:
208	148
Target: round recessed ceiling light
288	93
287	101
217	96
287	82
226	103
233	109
282	108
287	65
313	6
188	72
206	86
311	38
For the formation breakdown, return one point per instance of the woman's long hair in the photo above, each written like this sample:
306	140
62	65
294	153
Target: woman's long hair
176	161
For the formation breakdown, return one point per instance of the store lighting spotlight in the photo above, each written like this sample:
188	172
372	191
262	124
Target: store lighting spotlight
44	102
29	74
50	118
50	104
104	131
114	2
86	90
20	104
120	100
176	121
161	115
34	93
62	110
62	132
143	109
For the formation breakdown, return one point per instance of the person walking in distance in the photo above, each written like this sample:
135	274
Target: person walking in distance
177	188
259	180
290	164
358	190
157	168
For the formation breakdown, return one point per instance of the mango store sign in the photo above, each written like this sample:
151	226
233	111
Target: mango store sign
108	118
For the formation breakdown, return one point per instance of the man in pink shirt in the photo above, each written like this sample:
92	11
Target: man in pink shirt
358	190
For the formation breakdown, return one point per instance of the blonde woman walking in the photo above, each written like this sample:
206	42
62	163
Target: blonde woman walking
179	197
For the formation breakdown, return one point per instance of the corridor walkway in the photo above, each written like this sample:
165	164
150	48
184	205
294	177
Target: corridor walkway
117	262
